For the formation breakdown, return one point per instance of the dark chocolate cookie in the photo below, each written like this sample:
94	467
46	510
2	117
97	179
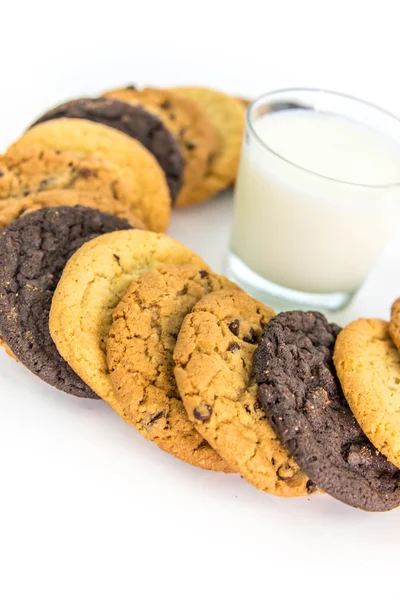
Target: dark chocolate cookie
33	252
302	398
136	122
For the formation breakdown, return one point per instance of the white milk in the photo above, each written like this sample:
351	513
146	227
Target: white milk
308	232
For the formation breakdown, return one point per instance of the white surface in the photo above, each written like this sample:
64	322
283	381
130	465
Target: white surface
88	508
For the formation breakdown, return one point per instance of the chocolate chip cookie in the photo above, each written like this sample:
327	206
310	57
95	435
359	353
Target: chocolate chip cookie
227	116
141	342
33	253
93	282
134	121
368	366
29	169
14	208
193	130
151	200
213	357
303	400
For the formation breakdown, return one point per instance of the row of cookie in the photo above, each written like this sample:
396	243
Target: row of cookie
98	314
137	319
146	148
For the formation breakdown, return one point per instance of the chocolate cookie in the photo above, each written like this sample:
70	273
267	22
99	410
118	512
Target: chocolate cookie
136	122
33	252
302	398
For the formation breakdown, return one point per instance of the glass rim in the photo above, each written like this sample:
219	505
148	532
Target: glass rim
266	96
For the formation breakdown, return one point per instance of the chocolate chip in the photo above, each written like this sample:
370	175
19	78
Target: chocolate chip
285	472
166	105
190	145
202	412
45	182
311	487
203	274
26	193
1	174
130	87
234	347
234	327
155	417
116	258
251	338
86	173
273	461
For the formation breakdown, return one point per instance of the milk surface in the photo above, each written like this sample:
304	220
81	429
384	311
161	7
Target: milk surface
316	225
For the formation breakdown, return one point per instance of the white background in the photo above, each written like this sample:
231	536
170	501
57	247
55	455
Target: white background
89	509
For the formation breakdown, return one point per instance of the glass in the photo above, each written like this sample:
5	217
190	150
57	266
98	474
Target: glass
300	237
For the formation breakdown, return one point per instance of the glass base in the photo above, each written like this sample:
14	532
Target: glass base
280	297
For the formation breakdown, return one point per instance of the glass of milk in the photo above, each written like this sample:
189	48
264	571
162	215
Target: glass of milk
316	199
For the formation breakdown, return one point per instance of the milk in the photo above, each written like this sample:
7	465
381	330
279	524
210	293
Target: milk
314	233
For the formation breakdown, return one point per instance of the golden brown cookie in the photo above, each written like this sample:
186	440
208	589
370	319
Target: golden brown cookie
243	101
197	137
92	284
28	169
227	116
8	350
14	208
151	200
394	326
368	367
214	358
141	342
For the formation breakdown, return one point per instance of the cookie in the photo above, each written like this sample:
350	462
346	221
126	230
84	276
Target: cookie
14	208
30	169
141	342
151	200
243	101
93	283
195	134
213	357
394	325
227	116
368	366
33	253
133	121
303	400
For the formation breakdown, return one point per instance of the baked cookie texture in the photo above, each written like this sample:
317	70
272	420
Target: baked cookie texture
227	116
141	342
196	135
368	366
302	398
29	169
151	200
14	208
213	357
135	122
394	325
33	253
93	282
